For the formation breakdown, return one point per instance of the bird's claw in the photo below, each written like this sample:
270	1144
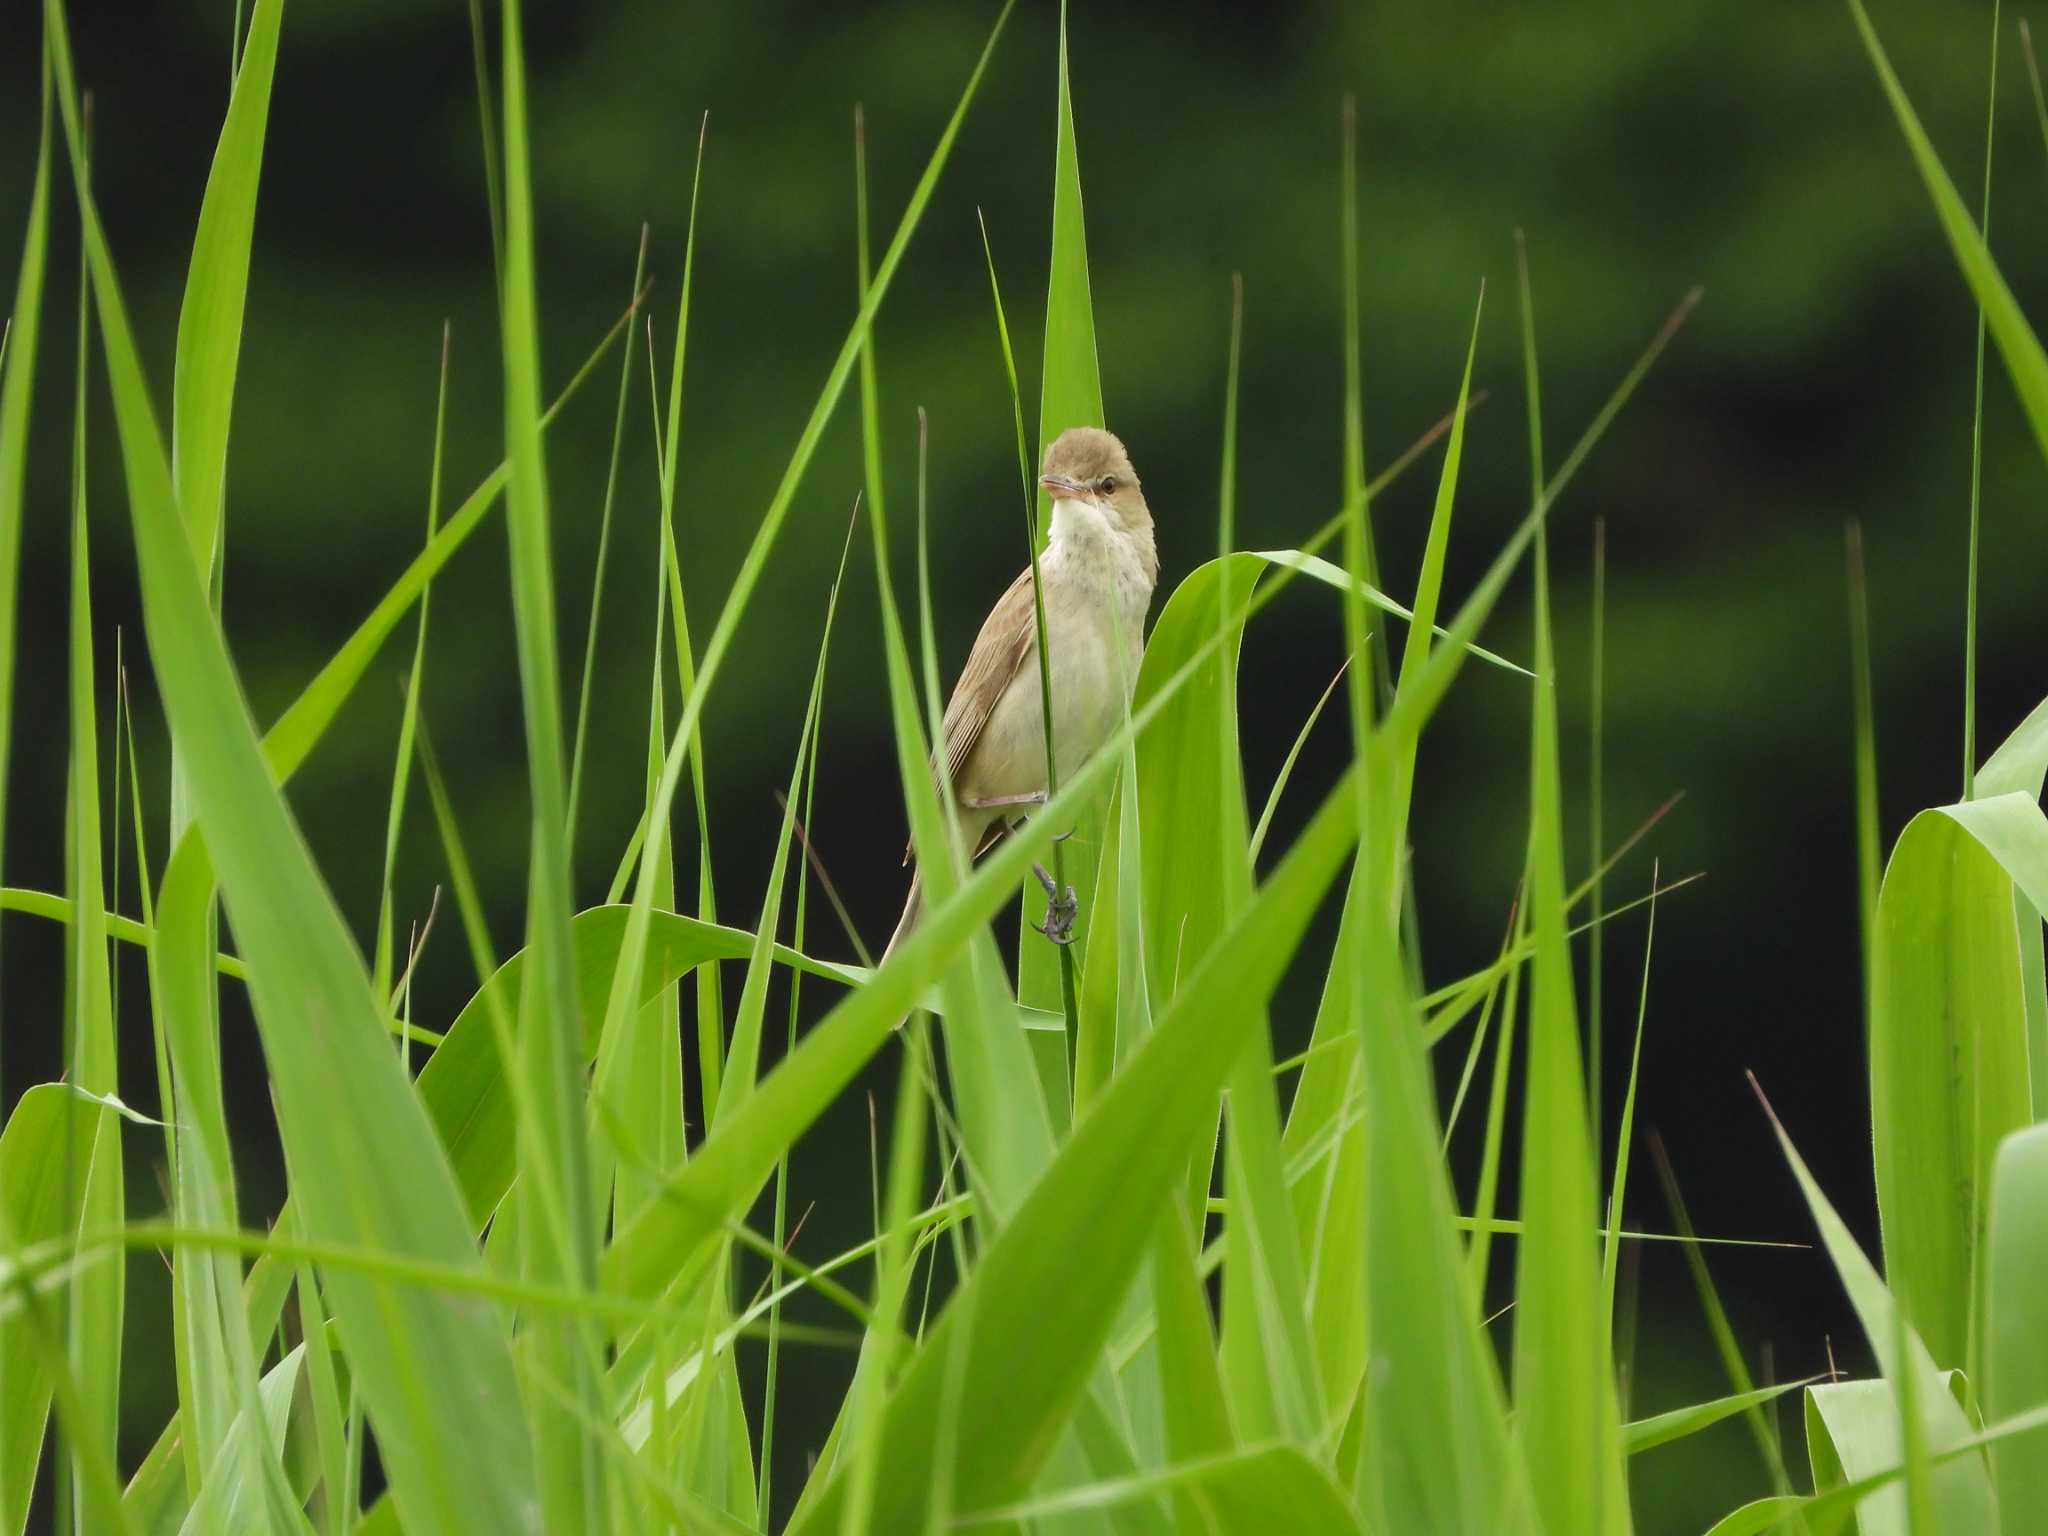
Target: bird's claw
1060	910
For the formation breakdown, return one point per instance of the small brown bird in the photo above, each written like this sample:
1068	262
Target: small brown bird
1098	570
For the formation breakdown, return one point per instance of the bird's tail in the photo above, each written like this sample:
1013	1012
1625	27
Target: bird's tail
913	908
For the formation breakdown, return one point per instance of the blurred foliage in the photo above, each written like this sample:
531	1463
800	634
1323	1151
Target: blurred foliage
1642	148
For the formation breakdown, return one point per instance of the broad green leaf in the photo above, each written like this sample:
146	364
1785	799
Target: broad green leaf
2021	762
1948	1057
1852	1432
2016	1321
362	1155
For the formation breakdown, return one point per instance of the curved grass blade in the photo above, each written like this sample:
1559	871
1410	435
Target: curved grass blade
1949	1073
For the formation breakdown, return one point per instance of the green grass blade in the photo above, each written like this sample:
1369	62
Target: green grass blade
1055	1060
604	539
710	1004
17	384
45	1154
98	1297
1977	444
1639	1435
1271	1488
408	724
1564	1377
1596	1014
216	292
291	739
2025	362
558	1224
1717	1322
1280	779
487	119
430	1369
744	1059
1070	395
1625	1134
1962	1489
1869	856
1364	560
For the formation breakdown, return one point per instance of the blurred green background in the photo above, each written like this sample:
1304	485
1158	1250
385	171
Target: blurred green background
1644	149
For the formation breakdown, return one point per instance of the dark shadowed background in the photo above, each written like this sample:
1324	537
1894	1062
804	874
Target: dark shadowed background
1644	149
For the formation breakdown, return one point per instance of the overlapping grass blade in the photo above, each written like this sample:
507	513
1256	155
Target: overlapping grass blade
366	1164
1070	395
558	1225
625	988
45	1154
710	1004
408	723
1962	1490
98	1295
1564	1378
1056	1060
1037	1308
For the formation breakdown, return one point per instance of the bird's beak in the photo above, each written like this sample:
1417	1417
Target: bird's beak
1062	488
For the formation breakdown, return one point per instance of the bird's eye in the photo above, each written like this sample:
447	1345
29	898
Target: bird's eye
1106	485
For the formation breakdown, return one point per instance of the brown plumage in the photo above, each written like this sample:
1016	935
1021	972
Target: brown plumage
1097	571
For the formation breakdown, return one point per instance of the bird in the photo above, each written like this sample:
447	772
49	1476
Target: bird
1097	572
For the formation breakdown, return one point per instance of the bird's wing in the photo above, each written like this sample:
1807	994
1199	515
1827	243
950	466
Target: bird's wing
1006	640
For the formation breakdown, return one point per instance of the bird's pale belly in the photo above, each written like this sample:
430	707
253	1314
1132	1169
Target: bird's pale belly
1089	686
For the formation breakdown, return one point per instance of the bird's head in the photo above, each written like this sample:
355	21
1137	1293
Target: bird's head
1087	464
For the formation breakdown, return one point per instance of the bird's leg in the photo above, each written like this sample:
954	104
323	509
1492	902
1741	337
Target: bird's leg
1060	911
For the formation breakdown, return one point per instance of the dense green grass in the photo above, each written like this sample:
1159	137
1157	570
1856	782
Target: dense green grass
1128	1272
